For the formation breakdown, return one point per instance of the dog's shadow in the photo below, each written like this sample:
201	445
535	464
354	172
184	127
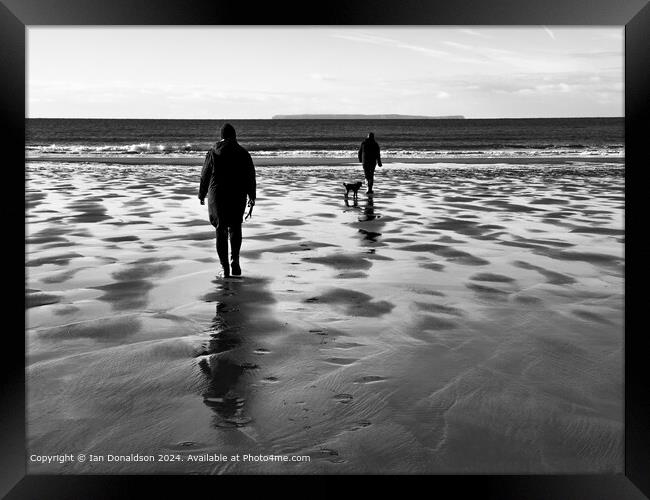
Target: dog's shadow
355	202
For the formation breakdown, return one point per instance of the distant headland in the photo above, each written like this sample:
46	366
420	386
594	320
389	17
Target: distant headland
365	117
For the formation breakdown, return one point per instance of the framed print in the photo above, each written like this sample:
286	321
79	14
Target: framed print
374	240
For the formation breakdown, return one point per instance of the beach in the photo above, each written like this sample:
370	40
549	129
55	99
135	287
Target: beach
466	318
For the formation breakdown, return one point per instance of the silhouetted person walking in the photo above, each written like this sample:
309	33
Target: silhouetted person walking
227	178
369	156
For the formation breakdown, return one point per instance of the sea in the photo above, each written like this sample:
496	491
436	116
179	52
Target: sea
331	138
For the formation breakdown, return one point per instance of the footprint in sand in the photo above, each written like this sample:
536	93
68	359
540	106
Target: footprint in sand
369	379
184	446
327	454
362	424
343	398
341	361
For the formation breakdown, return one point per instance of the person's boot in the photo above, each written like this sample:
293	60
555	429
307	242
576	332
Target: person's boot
236	270
226	270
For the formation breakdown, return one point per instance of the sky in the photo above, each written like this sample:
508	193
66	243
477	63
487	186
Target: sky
249	72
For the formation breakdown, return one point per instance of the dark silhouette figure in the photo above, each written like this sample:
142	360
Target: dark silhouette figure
354	187
227	178
369	156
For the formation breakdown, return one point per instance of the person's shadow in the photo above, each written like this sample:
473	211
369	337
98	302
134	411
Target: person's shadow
223	374
369	209
370	216
224	356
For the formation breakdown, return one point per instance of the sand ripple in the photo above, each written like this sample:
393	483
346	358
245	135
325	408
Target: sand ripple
462	319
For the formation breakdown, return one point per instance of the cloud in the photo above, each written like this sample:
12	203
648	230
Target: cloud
552	88
579	83
522	61
609	35
549	32
391	42
597	54
321	77
472	32
120	92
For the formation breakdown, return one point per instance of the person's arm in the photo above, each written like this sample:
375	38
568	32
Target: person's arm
206	174
378	156
361	153
251	188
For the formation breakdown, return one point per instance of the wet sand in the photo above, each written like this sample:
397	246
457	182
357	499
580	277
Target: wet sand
463	319
193	160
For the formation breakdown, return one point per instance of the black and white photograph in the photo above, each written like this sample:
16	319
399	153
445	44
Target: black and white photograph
324	249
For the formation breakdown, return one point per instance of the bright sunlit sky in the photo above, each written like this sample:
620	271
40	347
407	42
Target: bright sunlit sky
249	72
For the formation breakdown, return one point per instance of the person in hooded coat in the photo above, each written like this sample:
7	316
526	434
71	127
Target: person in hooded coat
369	156
227	179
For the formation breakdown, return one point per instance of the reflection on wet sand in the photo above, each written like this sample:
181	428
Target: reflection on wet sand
369	214
224	355
461	319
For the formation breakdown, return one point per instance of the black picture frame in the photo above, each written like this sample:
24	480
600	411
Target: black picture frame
15	15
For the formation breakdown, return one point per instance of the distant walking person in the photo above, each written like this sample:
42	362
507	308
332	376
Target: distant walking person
369	156
227	178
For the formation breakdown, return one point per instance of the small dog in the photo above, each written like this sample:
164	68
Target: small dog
354	187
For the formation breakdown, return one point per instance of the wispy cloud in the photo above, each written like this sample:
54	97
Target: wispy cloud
549	32
578	83
467	70
473	32
451	57
117	91
390	42
321	77
541	60
609	35
481	50
597	54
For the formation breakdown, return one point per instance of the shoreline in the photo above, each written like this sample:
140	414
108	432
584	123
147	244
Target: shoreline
313	161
